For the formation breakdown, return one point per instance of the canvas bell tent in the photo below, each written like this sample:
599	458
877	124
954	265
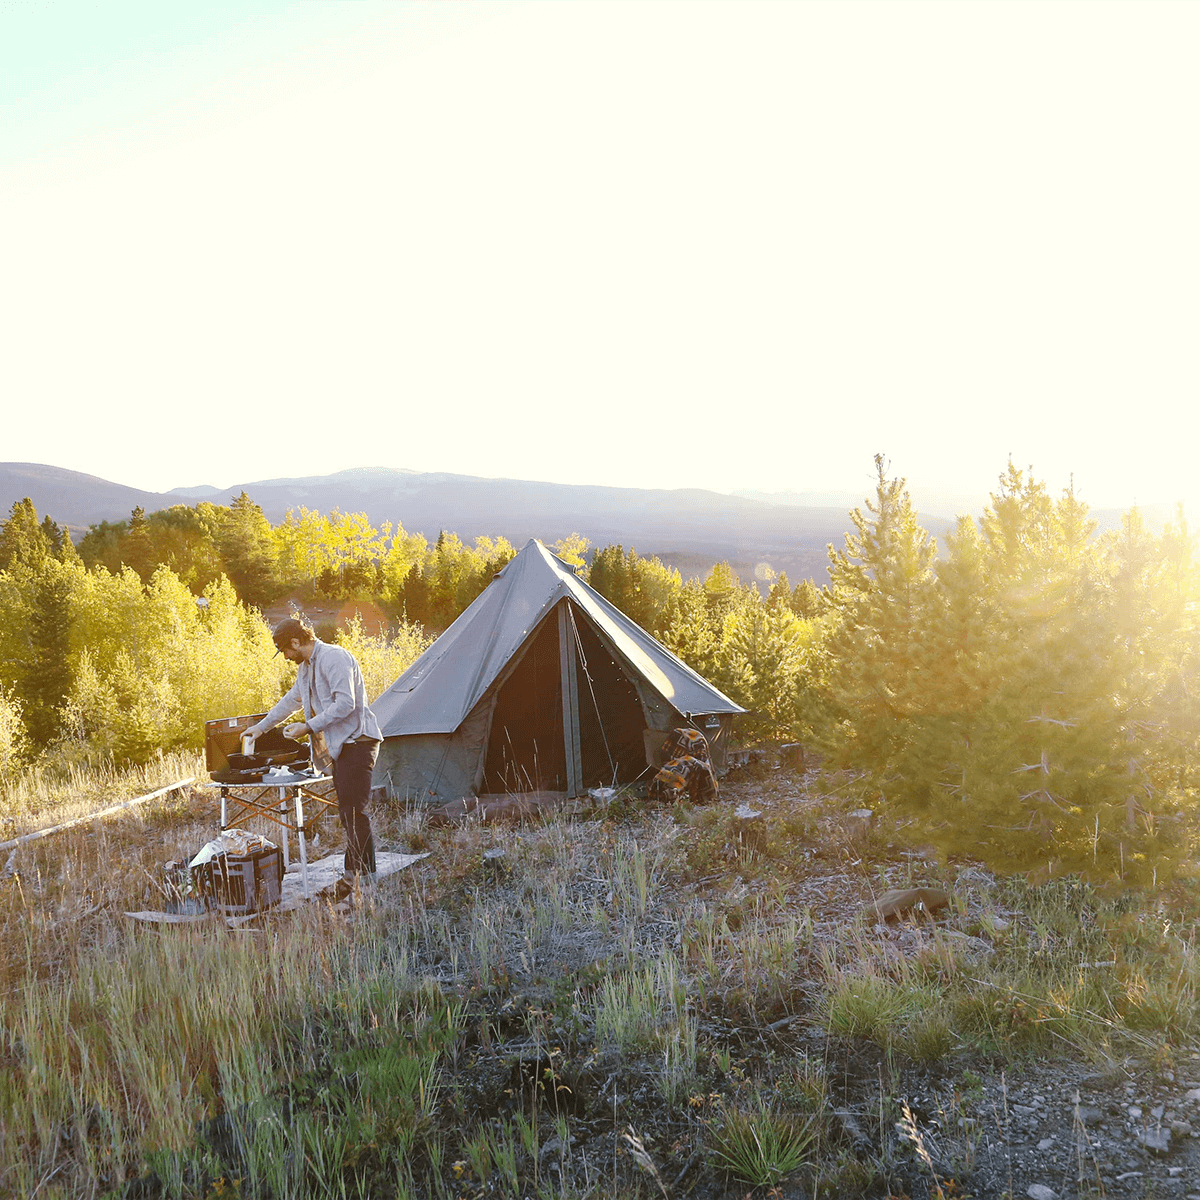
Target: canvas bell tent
540	684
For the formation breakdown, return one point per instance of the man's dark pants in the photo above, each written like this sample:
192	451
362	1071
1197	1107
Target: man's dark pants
352	779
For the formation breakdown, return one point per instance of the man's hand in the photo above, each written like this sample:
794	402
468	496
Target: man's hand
295	729
248	740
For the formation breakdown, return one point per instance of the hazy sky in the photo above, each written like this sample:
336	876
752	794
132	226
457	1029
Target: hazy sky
650	244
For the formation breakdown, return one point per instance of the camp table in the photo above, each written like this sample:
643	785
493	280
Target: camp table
279	799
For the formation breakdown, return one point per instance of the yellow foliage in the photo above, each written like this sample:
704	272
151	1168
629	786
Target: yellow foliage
151	665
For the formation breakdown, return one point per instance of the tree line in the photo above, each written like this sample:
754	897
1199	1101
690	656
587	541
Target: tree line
128	662
127	642
1026	693
328	556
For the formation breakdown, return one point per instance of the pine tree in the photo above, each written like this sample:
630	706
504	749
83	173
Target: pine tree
883	589
765	657
780	593
1154	718
55	536
66	548
1175	714
136	549
688	632
808	601
723	591
958	677
1049	715
48	678
654	587
413	596
248	551
22	538
1026	685
609	575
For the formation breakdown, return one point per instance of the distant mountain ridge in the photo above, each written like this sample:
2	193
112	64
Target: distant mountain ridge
689	528
683	527
72	498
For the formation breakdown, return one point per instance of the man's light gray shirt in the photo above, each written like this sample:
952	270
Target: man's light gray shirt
330	690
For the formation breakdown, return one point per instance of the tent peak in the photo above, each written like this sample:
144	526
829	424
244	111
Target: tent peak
437	691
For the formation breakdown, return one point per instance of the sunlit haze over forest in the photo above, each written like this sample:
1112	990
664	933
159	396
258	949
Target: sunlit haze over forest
665	245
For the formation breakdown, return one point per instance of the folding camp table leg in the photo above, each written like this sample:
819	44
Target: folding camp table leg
283	821
300	836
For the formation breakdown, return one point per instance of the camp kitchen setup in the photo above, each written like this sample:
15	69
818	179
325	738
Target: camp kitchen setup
240	872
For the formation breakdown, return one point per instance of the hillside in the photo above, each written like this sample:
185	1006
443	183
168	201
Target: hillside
690	528
714	986
72	498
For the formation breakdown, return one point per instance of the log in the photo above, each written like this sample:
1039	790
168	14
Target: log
104	812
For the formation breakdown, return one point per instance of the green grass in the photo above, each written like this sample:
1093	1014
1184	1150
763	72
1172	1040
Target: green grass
761	1146
645	1007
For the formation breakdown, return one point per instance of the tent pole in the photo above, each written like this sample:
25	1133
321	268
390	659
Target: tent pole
570	701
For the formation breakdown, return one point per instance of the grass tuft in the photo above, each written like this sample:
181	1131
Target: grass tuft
760	1146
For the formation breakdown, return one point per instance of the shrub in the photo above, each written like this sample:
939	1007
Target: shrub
14	741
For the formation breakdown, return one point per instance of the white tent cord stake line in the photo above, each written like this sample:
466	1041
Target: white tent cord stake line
104	812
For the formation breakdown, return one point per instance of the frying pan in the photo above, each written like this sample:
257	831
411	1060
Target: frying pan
251	762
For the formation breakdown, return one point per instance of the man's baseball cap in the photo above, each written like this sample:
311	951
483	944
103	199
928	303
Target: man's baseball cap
288	629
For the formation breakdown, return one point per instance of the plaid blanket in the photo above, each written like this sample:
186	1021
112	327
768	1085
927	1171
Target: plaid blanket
686	743
684	778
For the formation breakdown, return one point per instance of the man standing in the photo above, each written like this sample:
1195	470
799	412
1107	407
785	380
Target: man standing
341	727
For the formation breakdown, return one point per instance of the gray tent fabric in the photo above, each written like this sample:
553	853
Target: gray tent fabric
522	650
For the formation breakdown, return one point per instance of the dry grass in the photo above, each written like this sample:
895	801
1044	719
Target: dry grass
654	973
